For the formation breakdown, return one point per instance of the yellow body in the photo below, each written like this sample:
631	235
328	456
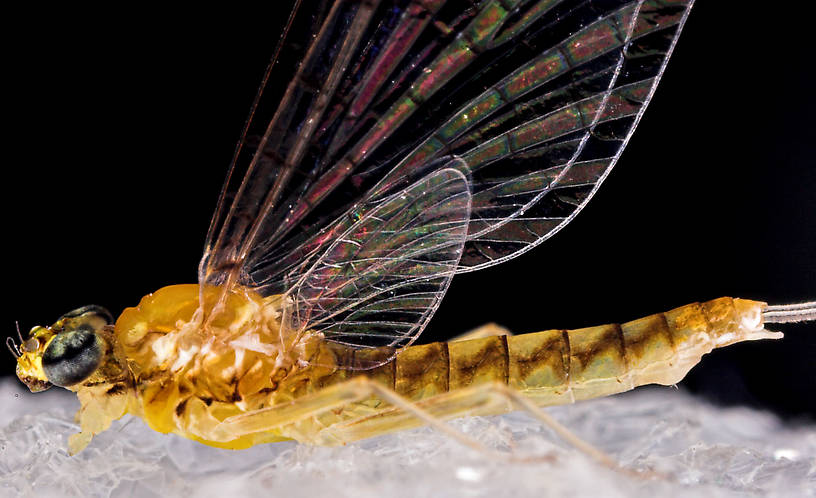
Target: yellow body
188	382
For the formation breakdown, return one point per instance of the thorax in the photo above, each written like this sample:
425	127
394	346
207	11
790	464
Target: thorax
190	371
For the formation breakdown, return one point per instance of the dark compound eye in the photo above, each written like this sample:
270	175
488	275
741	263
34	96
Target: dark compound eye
72	356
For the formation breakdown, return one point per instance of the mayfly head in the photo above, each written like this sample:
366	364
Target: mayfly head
64	354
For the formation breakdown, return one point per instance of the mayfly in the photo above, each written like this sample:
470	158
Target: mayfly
416	140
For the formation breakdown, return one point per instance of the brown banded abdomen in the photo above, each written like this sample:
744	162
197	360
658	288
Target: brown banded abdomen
560	366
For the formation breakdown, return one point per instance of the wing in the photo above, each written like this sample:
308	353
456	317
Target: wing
536	97
380	281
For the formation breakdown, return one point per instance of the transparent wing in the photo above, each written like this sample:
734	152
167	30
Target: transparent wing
379	282
537	99
533	171
269	162
539	141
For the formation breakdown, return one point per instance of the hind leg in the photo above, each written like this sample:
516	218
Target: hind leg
481	399
392	412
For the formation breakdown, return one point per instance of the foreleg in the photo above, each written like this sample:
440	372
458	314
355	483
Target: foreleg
290	418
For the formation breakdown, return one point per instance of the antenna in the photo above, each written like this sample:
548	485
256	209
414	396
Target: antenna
12	346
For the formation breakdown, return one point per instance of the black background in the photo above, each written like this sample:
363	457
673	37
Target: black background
124	123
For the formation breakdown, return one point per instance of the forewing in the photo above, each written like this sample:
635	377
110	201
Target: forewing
538	97
539	141
269	160
379	282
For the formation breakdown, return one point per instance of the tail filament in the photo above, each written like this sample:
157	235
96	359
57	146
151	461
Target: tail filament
788	313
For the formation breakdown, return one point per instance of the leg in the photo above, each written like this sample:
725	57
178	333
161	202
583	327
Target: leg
335	398
298	419
482	399
486	330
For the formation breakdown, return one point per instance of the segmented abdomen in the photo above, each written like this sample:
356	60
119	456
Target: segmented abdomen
561	366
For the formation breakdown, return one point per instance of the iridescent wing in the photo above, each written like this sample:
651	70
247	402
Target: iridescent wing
537	97
378	283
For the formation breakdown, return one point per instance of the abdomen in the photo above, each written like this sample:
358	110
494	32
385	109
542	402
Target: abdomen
561	366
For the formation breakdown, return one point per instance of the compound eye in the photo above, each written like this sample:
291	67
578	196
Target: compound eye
72	356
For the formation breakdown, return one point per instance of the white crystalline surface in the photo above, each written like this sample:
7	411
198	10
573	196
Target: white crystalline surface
707	451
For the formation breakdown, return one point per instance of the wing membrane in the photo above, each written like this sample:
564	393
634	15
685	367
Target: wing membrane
279	152
380	281
532	101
